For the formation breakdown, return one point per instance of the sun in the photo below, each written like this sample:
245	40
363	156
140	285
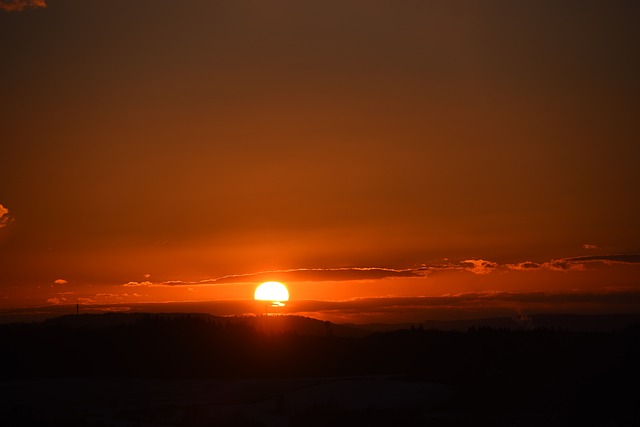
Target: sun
275	292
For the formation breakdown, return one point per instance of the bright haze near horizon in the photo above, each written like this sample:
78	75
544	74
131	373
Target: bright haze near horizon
387	161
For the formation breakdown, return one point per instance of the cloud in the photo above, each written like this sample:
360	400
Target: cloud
20	5
563	265
475	266
468	305
60	282
107	295
479	266
472	305
303	275
589	246
145	283
86	301
105	298
524	266
575	263
5	218
607	259
580	263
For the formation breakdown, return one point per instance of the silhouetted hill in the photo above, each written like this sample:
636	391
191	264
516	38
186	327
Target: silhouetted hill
178	344
570	322
300	325
272	324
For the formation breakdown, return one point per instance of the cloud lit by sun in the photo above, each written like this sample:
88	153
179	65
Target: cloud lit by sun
5	219
20	5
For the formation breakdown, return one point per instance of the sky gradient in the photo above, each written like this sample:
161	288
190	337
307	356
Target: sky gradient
156	151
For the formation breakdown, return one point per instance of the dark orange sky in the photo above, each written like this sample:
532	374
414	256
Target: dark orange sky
170	144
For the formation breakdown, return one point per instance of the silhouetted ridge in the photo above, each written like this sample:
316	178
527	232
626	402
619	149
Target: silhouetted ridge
570	322
273	324
200	345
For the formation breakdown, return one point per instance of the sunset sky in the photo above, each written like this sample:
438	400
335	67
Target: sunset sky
386	160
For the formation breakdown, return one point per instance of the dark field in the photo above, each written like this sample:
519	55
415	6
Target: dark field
198	370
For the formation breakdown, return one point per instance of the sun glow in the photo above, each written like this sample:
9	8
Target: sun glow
275	292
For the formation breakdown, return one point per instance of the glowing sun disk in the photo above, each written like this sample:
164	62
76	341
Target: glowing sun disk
271	291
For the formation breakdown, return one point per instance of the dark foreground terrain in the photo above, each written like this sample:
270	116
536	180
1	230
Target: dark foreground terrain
199	370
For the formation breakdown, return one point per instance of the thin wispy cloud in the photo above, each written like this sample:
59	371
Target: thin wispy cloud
576	263
475	266
607	259
146	283
20	5
310	275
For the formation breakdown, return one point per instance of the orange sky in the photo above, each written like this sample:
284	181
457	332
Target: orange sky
375	145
